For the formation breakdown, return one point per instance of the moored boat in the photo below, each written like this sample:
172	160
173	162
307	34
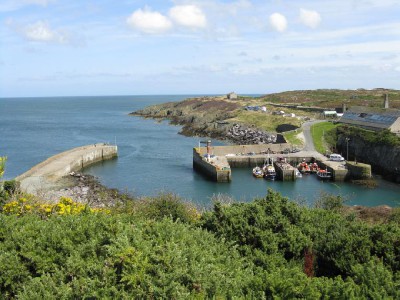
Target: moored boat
269	172
258	172
269	169
324	174
314	167
304	168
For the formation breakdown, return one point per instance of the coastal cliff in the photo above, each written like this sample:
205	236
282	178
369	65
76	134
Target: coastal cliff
380	150
384	159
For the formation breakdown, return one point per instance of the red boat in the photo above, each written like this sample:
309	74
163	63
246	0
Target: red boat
304	167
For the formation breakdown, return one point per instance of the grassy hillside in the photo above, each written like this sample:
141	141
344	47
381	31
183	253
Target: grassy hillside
334	98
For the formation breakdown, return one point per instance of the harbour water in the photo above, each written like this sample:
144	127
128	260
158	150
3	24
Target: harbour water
153	157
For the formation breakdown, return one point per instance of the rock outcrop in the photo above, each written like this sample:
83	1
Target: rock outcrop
244	135
208	116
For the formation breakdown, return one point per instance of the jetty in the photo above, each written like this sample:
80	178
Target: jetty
45	175
216	162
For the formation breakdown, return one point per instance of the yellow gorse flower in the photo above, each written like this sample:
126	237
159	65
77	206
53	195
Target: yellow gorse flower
65	206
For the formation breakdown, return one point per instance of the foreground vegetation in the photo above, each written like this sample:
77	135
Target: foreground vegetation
162	247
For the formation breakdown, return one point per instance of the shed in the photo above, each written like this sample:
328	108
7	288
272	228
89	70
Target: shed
329	113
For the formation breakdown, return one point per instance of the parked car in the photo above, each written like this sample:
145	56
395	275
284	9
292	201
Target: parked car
294	150
286	151
336	157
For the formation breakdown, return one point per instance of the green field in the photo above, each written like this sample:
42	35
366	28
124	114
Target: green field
318	134
264	121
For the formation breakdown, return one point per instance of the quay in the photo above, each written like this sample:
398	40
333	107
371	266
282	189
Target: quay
216	162
45	175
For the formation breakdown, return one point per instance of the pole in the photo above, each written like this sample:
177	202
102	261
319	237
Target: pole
347	148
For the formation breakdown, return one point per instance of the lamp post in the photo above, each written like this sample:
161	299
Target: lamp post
347	148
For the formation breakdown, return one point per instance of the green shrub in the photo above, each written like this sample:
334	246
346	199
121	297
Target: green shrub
115	256
330	202
167	205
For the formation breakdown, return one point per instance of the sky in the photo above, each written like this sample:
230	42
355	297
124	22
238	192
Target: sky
135	47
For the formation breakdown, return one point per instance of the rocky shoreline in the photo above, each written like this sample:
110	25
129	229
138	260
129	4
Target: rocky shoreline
84	189
208	117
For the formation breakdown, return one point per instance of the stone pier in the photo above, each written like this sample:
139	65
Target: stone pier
44	175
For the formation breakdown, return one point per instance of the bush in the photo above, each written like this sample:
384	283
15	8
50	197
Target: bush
115	256
330	202
167	205
11	186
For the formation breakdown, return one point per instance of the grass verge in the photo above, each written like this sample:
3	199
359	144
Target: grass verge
318	132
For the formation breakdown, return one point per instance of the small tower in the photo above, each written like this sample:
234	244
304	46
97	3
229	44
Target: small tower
344	107
386	101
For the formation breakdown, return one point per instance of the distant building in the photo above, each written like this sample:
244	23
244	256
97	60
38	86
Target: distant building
330	113
372	118
232	96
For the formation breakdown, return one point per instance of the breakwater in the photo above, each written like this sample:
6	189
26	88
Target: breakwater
45	175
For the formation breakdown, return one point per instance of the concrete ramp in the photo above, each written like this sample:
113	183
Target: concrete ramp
45	175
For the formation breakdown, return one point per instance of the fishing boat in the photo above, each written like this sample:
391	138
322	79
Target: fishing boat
269	169
258	172
324	174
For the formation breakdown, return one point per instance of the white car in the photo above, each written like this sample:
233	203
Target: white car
336	157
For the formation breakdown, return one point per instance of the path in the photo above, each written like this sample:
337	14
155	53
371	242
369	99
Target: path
309	143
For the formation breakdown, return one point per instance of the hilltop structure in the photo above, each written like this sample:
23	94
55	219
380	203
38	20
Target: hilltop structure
232	96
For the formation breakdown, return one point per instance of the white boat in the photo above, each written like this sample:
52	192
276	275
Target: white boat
324	174
298	174
269	172
258	172
269	169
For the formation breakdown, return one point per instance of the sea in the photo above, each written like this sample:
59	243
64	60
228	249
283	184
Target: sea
153	157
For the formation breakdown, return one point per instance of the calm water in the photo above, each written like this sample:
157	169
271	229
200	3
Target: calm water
152	156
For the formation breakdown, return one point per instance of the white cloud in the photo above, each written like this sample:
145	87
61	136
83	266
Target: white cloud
188	15
310	18
148	21
278	22
41	32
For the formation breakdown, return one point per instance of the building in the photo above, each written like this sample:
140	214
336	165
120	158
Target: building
373	118
329	114
232	96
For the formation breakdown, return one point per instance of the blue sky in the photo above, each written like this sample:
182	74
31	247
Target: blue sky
127	47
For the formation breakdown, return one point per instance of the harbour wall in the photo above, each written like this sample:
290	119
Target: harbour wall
223	158
60	165
217	169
